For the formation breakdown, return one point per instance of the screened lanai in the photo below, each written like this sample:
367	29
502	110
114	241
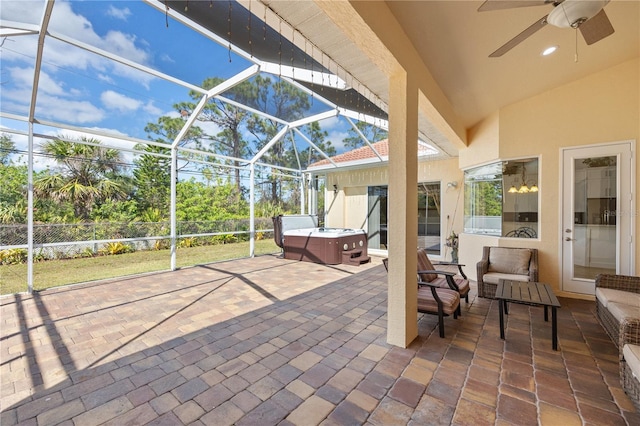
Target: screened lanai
212	94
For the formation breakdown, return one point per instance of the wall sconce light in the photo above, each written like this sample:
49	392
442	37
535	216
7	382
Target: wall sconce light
335	188
452	184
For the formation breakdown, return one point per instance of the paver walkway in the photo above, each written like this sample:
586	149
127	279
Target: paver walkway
269	341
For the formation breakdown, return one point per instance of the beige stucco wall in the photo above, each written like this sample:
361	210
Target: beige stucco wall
348	208
603	107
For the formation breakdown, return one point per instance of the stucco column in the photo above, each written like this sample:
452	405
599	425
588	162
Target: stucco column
402	327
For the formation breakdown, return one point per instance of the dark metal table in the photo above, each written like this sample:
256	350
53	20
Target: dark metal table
528	293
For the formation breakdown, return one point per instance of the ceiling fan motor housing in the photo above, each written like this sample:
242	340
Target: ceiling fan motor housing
572	13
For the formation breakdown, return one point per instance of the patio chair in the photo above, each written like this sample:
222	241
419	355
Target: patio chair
505	263
427	273
435	300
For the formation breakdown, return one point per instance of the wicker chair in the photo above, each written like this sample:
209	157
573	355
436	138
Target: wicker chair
505	263
435	300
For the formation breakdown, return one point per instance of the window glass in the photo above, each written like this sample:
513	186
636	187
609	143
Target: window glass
377	217
429	217
502	199
483	200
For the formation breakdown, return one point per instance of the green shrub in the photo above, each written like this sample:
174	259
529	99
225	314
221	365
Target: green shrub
225	239
116	248
13	256
161	244
86	253
188	242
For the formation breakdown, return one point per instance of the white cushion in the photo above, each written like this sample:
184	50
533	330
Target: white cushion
509	260
606	295
495	277
621	311
631	355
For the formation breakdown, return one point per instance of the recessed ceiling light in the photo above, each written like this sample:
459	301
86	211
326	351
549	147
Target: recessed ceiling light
549	50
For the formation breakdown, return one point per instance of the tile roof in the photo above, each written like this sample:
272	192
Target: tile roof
357	154
365	153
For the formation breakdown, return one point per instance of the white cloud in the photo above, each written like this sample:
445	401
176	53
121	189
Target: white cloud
54	101
68	111
122	14
16	11
119	102
58	54
331	122
166	58
106	78
16	49
208	127
53	108
62	55
65	21
151	109
124	45
23	77
337	139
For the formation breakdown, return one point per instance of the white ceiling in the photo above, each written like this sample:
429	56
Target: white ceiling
455	40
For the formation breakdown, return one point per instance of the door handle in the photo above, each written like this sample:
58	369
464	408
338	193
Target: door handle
568	239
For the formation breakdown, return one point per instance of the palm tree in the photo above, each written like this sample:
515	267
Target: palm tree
86	173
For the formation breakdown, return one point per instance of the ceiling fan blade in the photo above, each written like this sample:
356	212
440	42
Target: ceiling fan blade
596	28
490	5
520	38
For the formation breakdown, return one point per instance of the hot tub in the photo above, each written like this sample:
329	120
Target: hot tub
329	246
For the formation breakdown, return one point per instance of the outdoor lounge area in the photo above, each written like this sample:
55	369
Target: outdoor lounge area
266	341
167	135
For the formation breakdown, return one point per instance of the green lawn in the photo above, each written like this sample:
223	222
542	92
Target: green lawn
54	273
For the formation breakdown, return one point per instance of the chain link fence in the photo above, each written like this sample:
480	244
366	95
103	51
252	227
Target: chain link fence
62	241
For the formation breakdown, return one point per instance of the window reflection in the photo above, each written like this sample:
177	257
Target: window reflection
502	199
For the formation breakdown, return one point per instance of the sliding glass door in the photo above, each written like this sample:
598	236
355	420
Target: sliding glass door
377	217
429	219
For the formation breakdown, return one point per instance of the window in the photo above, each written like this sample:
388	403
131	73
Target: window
502	199
428	217
377	217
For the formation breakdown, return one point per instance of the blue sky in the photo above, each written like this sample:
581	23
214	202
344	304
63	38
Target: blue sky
82	89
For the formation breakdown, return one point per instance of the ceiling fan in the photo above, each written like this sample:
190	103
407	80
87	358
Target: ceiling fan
586	15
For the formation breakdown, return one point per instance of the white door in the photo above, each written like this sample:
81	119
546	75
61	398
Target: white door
597	214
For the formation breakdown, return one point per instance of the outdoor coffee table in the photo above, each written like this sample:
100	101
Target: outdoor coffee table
528	293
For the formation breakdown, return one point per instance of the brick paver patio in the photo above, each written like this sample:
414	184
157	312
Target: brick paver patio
268	341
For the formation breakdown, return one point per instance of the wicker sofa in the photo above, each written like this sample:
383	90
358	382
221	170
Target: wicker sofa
618	307
630	371
618	310
505	263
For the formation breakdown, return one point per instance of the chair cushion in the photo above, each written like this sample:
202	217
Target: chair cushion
495	277
509	260
606	295
631	355
426	302
463	285
424	264
621	311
